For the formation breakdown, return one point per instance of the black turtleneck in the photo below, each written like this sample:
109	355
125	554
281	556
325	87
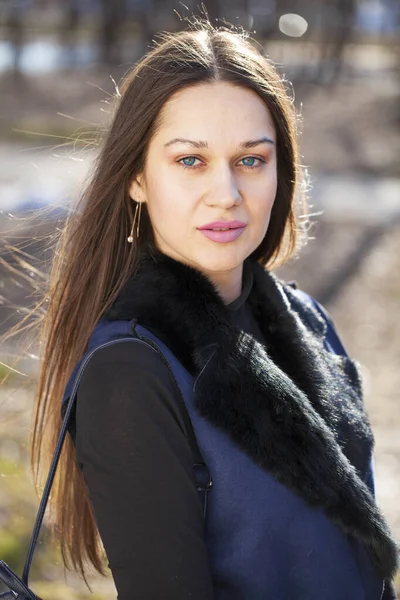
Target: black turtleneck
137	466
239	309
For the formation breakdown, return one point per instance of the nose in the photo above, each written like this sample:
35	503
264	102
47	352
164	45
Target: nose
224	190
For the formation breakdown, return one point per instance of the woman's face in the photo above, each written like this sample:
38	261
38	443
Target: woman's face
213	158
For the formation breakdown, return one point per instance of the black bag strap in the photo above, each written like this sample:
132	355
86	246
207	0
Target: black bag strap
203	478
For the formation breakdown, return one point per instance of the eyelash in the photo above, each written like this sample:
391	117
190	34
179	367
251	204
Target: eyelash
261	162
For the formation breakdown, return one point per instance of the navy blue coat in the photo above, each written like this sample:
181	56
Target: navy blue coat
282	429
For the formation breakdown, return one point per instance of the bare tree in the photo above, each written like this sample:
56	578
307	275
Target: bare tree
16	34
70	23
111	19
213	9
336	31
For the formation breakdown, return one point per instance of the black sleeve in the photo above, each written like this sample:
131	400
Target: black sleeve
137	465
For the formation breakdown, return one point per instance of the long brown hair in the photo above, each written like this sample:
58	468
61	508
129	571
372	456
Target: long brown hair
93	260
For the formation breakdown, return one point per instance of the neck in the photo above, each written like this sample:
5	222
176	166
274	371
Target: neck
227	283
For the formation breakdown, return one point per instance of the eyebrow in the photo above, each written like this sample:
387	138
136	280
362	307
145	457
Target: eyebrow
201	144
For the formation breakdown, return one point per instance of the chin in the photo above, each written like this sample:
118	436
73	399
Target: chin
216	261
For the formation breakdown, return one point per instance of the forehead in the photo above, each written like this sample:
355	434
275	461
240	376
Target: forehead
217	112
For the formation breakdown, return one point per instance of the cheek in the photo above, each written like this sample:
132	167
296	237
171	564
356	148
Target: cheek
272	187
263	196
167	207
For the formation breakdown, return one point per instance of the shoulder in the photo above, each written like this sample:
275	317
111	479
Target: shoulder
130	352
129	377
127	363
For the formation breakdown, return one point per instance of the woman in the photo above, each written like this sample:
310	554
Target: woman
191	203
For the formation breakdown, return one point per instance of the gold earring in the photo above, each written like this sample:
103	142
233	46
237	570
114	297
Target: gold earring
130	238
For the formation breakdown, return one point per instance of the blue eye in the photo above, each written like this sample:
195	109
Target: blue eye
187	162
251	158
191	160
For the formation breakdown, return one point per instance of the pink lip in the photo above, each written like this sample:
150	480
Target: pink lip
230	224
223	236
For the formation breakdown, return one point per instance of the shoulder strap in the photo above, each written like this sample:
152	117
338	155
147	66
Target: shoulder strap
203	478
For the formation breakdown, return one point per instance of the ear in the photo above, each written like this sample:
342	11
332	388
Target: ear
137	190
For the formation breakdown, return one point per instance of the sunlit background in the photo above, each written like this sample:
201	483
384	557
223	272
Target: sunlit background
60	64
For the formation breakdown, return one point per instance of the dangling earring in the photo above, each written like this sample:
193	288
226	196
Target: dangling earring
138	206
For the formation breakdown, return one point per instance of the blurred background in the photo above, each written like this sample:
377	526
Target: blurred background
60	63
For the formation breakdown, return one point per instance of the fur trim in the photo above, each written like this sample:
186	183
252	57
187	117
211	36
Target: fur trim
293	407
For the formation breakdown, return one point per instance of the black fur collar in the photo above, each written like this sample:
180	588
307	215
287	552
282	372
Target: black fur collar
295	408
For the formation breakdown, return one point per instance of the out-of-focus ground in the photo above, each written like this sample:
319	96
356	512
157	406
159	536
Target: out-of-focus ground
350	141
